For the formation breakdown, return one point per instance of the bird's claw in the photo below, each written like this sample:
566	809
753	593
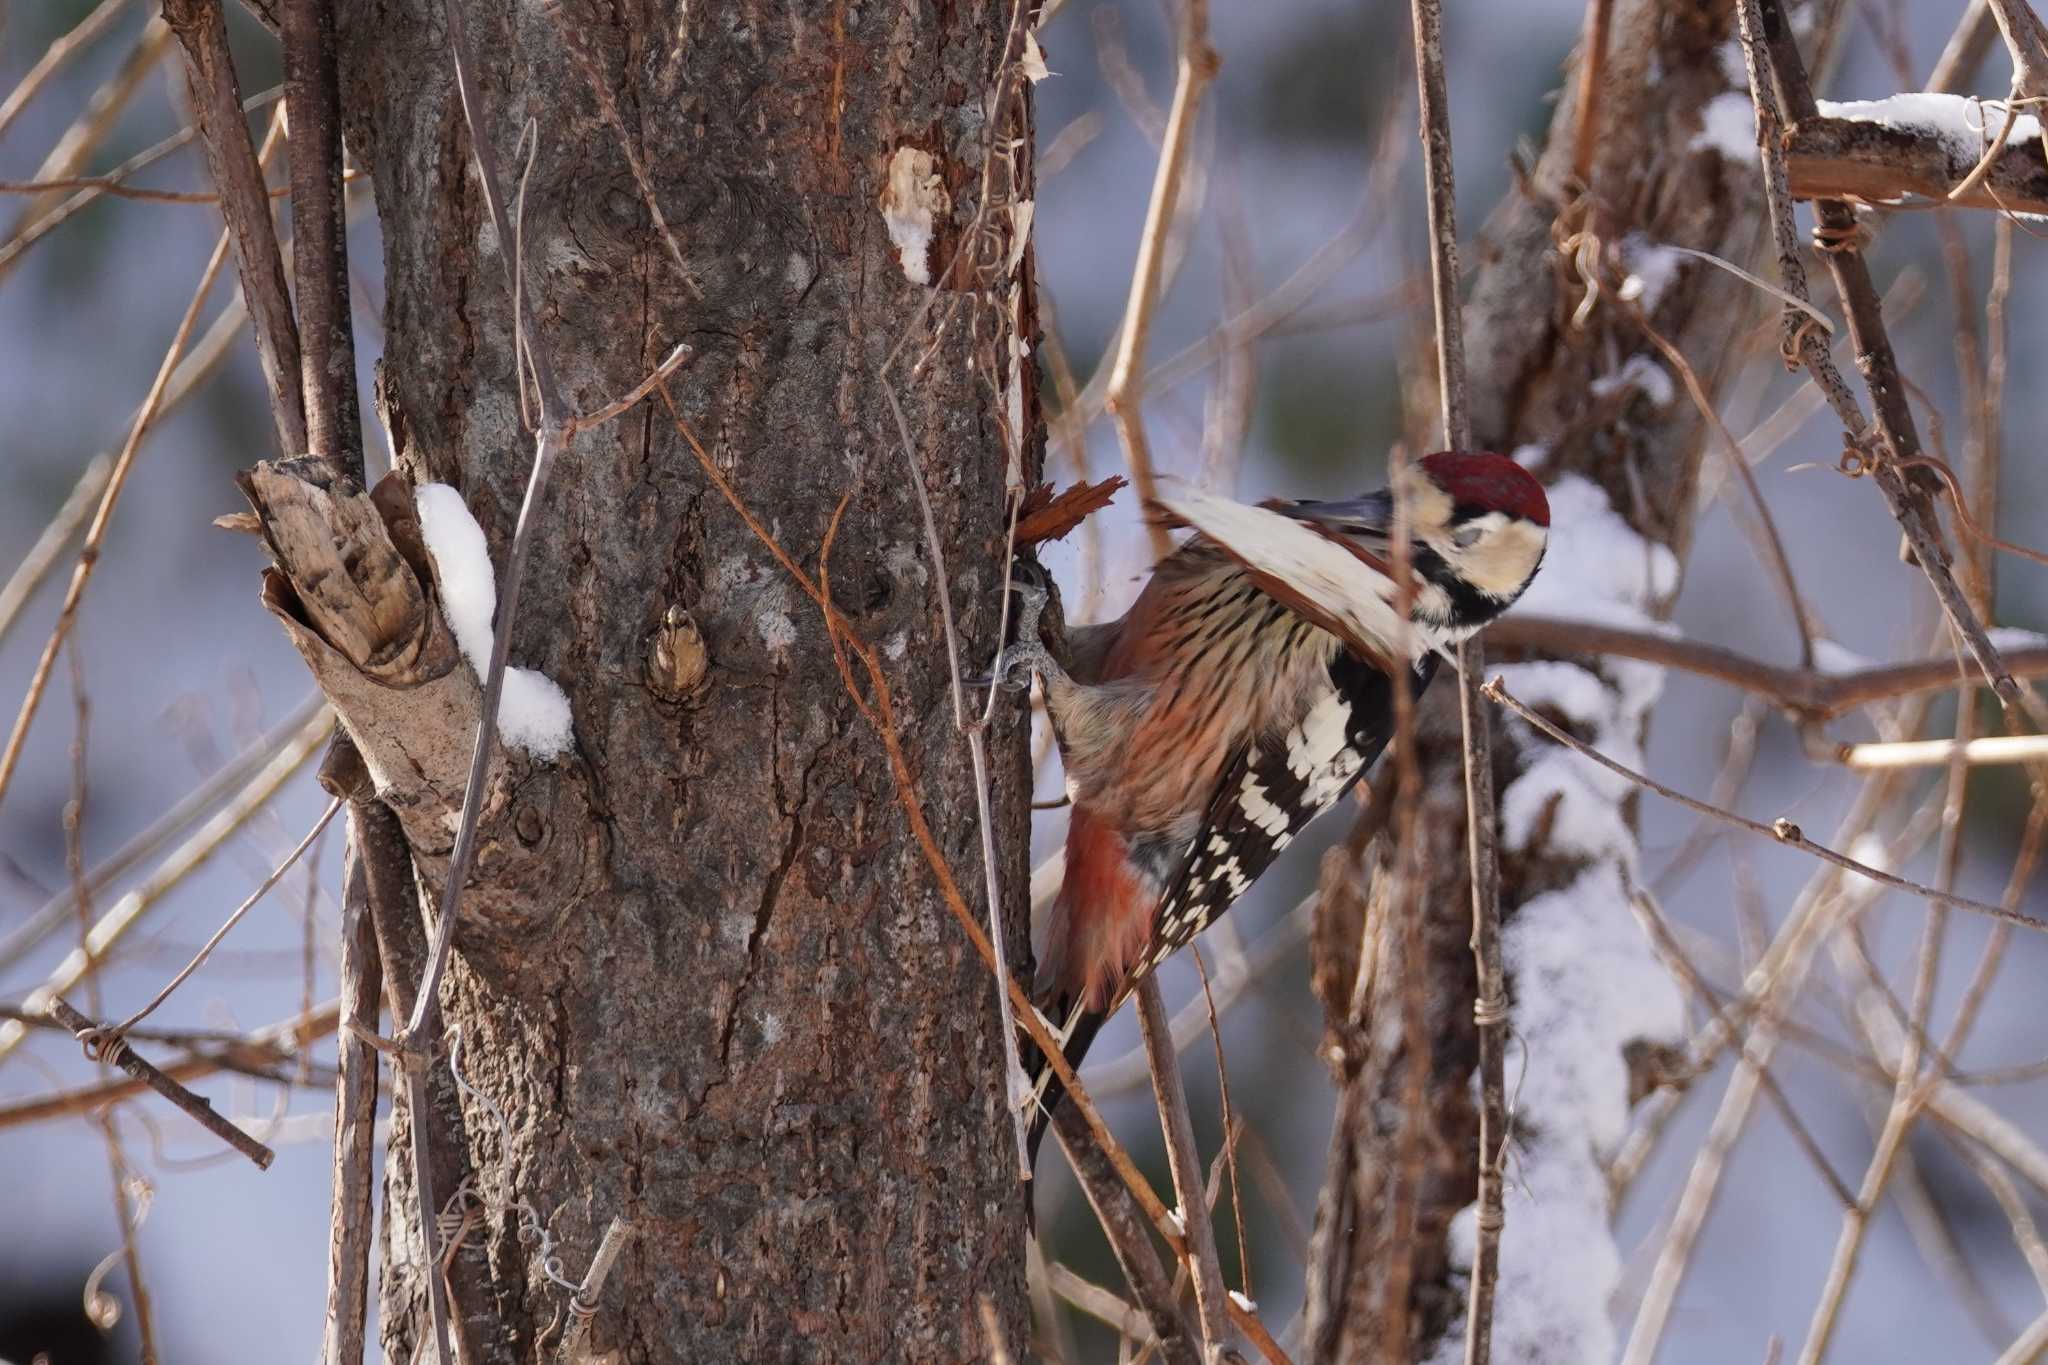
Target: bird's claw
1015	663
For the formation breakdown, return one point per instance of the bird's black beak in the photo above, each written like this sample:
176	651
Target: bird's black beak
1371	515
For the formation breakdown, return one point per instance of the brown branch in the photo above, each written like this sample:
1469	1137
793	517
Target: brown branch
201	1112
2026	38
1852	159
1966	49
1593	64
432	1110
1765	27
1125	1229
245	204
312	97
351	1218
1184	1161
1804	692
257	1055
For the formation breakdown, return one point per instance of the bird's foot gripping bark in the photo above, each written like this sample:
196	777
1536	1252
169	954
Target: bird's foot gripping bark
1016	662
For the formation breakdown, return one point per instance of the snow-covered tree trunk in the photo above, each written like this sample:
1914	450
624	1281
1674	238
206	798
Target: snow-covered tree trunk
1565	375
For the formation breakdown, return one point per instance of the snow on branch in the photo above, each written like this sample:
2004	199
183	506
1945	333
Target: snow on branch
1920	146
533	713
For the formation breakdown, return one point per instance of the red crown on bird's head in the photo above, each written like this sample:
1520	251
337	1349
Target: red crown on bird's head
1480	478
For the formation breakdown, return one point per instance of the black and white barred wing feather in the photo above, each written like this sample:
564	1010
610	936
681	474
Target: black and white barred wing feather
1271	790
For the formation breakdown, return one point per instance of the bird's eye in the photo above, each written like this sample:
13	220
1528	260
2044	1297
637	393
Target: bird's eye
1465	537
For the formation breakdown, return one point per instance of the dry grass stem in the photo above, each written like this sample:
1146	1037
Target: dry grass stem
1125	396
309	720
60	51
69	153
115	924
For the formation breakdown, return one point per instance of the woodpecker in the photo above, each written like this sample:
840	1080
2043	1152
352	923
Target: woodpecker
1248	686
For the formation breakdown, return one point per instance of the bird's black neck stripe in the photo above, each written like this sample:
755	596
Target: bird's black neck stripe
1469	606
1370	693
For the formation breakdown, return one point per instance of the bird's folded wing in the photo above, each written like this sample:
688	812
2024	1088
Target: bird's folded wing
1341	587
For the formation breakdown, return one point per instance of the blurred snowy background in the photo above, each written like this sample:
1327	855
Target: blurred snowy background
184	669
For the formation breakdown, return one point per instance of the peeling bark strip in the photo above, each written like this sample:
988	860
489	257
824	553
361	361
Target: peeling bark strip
1622	478
701	970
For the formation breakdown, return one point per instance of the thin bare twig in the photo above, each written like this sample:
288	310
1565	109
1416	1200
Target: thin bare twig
1016	1089
28	234
199	1109
1490	1007
1586	122
1185	1163
309	722
115	924
1965	50
1928	753
1120	1222
258	1054
234	918
42	556
1782	830
312	96
96	533
351	1213
1233	1128
583	1304
1806	693
78	142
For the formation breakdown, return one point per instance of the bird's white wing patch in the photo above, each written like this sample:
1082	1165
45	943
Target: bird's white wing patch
1331	579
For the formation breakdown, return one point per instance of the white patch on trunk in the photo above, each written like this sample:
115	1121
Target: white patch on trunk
911	203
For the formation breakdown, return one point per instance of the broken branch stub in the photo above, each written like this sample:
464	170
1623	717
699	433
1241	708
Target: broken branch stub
352	587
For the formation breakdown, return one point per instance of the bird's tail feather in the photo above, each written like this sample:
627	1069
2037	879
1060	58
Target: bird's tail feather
1078	1028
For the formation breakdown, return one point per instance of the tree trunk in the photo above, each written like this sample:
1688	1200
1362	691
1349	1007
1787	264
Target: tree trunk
1623	464
705	981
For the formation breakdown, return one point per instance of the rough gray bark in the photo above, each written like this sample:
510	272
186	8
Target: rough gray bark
1531	368
704	970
